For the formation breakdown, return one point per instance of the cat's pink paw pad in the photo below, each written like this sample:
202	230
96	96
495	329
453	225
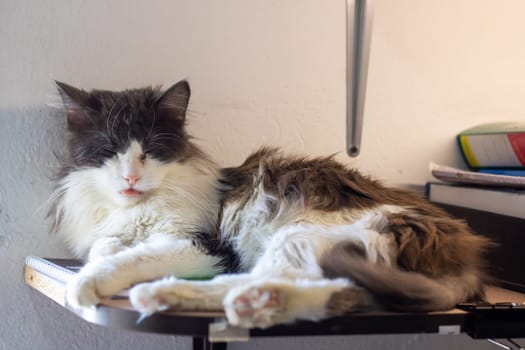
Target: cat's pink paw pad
253	307
153	302
144	298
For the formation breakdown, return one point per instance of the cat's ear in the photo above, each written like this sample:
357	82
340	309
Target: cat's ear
76	102
174	102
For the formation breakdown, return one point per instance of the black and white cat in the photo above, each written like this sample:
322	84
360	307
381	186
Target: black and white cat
286	238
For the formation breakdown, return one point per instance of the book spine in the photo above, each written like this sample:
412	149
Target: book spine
493	150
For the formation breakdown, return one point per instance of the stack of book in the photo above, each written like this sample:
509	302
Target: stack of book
490	197
500	194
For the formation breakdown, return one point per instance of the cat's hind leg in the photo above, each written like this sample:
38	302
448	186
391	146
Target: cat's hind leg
272	301
288	282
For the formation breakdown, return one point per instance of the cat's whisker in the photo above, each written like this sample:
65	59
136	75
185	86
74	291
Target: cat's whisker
110	113
54	197
184	193
161	145
148	136
166	136
111	131
53	166
194	113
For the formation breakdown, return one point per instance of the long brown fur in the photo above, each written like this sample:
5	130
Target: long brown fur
439	264
439	259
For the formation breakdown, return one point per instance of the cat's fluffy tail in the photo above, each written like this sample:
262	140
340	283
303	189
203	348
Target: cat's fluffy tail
398	290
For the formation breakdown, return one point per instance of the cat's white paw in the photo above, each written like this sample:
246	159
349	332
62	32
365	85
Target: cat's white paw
147	299
255	306
81	291
95	280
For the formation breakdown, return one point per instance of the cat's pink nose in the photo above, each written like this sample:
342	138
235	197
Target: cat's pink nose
131	179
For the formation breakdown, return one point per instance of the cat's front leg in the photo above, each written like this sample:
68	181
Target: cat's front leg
82	288
86	288
159	256
160	295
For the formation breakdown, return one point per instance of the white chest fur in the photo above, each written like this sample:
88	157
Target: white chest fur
179	204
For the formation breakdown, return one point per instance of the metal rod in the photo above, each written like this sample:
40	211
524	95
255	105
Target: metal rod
358	36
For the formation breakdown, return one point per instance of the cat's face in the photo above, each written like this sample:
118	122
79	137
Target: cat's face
126	142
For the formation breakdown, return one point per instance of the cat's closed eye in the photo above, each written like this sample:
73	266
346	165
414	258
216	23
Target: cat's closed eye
161	149
107	152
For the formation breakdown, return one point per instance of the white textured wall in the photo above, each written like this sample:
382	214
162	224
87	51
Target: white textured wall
262	71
